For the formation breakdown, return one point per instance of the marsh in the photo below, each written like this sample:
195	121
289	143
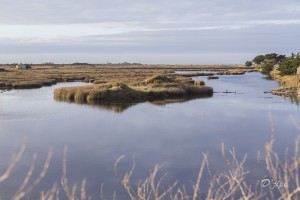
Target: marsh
173	135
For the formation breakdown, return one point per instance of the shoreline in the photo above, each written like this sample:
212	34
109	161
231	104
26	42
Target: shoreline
43	75
289	85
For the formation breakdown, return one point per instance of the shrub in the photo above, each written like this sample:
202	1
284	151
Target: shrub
248	64
259	59
271	56
268	66
289	65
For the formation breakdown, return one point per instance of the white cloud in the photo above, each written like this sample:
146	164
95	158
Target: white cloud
275	22
66	30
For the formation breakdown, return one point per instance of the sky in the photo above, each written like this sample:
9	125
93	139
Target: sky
149	32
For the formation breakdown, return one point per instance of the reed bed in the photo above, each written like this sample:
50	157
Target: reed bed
233	72
196	74
39	76
155	87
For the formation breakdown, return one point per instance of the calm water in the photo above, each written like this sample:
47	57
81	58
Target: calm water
172	135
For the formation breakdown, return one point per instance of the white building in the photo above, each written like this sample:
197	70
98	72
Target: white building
23	66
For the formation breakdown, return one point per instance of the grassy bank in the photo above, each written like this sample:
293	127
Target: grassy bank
155	87
282	68
289	84
41	75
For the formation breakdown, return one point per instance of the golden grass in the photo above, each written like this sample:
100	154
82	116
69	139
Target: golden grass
212	77
155	87
233	72
199	82
290	81
39	76
196	74
290	85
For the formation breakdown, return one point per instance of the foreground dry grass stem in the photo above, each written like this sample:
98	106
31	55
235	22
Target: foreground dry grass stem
25	188
230	183
15	159
286	171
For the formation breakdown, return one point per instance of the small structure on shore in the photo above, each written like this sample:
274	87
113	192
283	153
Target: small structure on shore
23	66
298	70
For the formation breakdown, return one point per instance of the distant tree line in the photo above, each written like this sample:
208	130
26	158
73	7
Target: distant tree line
287	65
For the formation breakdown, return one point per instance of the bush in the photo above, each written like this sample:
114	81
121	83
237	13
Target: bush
268	66
259	59
248	64
271	56
267	62
289	65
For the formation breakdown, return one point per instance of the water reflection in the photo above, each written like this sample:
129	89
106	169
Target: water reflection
121	106
174	136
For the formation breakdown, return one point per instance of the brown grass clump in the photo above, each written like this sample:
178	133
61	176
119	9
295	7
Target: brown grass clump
195	74
155	87
290	85
199	83
185	80
212	77
158	79
98	92
290	81
232	72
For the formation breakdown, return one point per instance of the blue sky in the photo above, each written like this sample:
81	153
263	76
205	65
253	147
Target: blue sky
157	31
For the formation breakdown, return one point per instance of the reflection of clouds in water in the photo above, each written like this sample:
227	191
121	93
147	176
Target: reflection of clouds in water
1	113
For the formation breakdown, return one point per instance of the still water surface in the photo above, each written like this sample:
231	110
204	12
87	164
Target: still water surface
172	135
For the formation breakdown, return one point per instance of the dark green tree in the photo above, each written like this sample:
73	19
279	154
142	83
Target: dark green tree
271	56
280	58
268	65
248	64
289	65
259	59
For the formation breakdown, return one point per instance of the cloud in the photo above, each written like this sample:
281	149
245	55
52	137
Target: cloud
144	11
274	22
159	27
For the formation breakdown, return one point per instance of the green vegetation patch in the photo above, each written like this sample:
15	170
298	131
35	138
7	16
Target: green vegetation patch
289	65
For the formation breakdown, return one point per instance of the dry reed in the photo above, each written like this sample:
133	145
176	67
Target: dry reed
227	184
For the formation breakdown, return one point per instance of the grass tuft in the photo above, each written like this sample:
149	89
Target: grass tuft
155	87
